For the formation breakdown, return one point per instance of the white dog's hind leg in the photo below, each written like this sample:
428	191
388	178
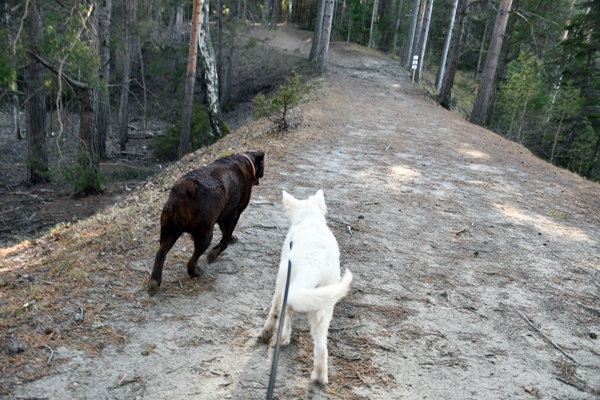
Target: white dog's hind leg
319	325
286	333
269	327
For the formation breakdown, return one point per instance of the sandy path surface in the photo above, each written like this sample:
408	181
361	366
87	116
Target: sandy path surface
477	266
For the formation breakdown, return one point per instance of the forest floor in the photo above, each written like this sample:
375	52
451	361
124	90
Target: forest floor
476	265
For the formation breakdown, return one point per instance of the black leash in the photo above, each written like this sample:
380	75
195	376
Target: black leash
276	352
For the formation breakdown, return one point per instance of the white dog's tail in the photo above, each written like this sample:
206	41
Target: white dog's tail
311	299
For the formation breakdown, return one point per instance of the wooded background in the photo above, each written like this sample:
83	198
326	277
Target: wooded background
527	69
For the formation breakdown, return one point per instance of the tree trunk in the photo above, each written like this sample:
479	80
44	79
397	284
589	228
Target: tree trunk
219	52
266	12
499	77
481	51
373	18
211	79
423	40
130	9
440	74
316	39
188	99
275	16
397	26
89	182
16	110
343	13
143	77
415	47
491	63
178	23
326	33
411	34
104	18
35	110
448	82
556	137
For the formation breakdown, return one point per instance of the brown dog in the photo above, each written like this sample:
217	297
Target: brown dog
216	193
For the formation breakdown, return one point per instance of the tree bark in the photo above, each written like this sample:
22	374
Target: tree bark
88	123
440	74
104	18
415	47
424	38
35	110
448	83
411	34
373	18
188	99
211	79
491	63
316	39
16	110
130	9
325	35
556	137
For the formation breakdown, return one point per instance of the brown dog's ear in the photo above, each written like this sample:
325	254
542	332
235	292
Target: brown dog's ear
259	165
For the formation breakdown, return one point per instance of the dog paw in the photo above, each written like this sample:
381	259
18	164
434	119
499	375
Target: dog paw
211	256
194	272
266	335
233	239
318	379
285	339
152	287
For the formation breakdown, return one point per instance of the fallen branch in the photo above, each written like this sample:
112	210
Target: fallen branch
51	354
570	357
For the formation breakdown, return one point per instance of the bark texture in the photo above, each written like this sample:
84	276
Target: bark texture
440	75
130	9
325	35
448	82
411	34
491	63
104	18
188	99
316	39
423	39
35	110
211	79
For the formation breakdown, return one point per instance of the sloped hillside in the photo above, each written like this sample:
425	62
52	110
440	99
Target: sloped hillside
477	267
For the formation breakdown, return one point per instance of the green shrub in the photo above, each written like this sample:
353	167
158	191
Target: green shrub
279	109
165	147
84	179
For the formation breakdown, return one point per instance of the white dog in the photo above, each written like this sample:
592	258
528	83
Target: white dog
315	284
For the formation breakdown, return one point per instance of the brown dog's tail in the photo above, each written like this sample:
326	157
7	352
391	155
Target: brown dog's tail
303	299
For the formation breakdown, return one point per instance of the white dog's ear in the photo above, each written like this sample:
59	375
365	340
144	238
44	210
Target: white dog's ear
319	200
288	202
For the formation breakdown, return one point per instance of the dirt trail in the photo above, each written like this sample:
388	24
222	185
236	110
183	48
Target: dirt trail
477	266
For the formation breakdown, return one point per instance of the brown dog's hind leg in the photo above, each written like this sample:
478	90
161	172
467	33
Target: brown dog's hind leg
227	226
167	240
201	243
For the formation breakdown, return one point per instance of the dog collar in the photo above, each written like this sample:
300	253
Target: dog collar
251	164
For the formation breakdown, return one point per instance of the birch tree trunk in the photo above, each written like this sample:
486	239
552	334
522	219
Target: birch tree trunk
35	110
104	18
316	39
325	35
448	82
188	99
440	75
491	63
423	40
411	34
211	79
130	9
373	18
